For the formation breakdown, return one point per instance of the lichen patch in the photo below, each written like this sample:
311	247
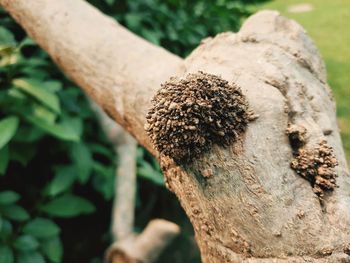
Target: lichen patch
189	115
317	166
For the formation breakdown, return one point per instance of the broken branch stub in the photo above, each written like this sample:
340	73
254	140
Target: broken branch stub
145	247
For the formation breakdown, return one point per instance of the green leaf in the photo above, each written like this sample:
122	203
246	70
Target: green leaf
104	184
34	88
6	229
30	257
15	213
6	37
27	42
103	180
133	21
4	159
28	134
105	170
8	56
26	243
74	124
81	156
64	178
52	248
8	197
60	131
43	113
22	152
8	128
110	2
152	36
148	172
41	228
140	152
6	254
68	206
53	85
98	148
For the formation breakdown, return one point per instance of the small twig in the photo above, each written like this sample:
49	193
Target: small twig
127	247
145	247
125	184
125	188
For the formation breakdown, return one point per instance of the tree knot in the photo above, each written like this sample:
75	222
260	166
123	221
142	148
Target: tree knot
189	115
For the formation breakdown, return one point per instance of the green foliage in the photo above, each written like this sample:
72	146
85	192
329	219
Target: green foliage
68	206
30	257
32	240
62	181
6	254
14	212
178	25
41	228
42	117
8	127
55	162
148	170
8	197
52	248
25	243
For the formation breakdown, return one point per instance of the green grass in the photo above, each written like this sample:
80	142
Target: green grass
329	26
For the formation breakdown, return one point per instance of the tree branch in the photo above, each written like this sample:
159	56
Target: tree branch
147	246
253	206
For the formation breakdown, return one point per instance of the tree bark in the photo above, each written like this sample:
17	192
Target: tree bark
253	207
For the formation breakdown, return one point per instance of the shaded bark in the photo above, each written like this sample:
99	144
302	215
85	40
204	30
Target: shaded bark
253	207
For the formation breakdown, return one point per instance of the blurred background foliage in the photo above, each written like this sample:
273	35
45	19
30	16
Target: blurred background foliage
57	167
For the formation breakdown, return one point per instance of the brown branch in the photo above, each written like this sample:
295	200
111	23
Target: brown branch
145	247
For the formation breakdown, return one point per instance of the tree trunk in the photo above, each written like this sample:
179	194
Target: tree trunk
253	207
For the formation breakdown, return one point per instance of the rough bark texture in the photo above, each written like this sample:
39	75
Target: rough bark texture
254	204
253	207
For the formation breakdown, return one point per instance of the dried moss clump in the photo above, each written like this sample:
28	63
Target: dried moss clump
189	115
317	167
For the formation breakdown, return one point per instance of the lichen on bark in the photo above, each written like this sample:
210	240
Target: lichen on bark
189	115
315	165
